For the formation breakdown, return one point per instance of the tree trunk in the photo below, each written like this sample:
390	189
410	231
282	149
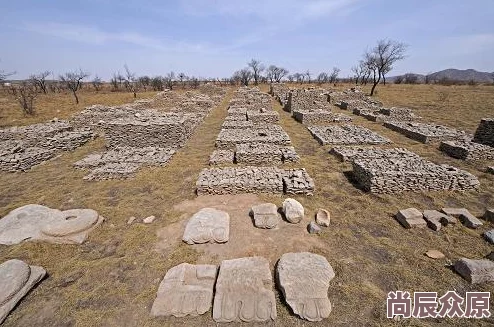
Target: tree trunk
384	80
375	83
76	98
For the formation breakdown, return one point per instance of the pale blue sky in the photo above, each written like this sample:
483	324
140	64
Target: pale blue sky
214	38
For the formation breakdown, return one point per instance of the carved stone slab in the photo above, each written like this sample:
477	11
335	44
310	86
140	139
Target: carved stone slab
16	280
293	210
37	222
244	291
265	215
304	281
207	225
186	290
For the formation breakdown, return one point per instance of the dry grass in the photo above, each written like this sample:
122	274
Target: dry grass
371	253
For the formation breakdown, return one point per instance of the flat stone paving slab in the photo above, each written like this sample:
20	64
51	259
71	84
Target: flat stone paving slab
304	281
185	290
208	225
411	218
244	291
17	278
464	216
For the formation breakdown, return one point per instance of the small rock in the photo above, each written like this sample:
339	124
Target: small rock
475	271
323	218
411	218
489	236
490	169
131	220
489	215
314	228
149	220
490	256
293	210
435	254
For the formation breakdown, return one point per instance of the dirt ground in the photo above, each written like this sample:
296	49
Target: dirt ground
112	279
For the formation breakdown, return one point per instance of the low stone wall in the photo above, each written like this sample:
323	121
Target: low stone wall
26	146
263	116
410	173
229	138
346	134
485	132
123	162
159	131
263	153
426	133
351	153
234	180
319	117
467	150
221	157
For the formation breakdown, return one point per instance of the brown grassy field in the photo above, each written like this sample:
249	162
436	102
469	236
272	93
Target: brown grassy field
112	279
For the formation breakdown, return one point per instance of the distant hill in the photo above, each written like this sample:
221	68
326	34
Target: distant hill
452	74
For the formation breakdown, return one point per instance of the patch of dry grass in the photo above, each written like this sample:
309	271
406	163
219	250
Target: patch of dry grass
370	252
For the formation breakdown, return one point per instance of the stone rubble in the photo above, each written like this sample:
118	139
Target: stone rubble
313	228
464	216
17	278
346	134
467	150
489	215
264	153
303	279
219	157
382	115
34	222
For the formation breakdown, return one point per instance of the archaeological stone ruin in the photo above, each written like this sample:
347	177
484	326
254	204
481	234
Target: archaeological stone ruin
426	133
23	147
251	149
145	133
346	134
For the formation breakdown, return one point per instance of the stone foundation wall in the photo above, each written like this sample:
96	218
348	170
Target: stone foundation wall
346	134
485	132
263	153
467	150
319	117
410	173
234	180
229	138
426	133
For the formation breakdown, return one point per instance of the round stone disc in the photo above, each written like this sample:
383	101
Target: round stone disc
73	221
14	274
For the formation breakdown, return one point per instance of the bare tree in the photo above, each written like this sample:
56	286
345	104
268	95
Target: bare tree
39	80
73	80
307	74
410	78
183	79
333	77
276	74
130	81
382	57
257	69
144	82
26	93
169	79
322	78
399	79
290	78
299	77
244	76
97	83
157	83
195	82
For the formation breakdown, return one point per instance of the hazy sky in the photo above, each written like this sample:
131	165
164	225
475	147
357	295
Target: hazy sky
213	38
